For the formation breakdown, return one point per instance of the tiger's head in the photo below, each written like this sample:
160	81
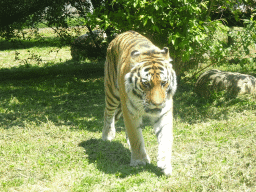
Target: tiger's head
151	83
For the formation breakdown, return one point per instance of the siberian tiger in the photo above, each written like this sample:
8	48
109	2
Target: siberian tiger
140	81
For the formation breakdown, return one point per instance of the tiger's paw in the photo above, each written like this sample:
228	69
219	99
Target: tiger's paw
108	135
136	162
166	169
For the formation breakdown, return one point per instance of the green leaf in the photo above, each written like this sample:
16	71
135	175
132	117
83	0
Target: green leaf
152	20
155	28
145	21
136	3
204	4
156	7
141	17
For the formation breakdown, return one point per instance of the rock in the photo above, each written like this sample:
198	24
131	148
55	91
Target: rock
214	80
84	46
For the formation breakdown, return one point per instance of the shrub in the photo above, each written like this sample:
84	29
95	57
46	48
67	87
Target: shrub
185	26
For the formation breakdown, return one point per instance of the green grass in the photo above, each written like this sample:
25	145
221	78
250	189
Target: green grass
51	117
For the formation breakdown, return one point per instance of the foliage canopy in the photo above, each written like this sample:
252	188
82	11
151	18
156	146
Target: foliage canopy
190	28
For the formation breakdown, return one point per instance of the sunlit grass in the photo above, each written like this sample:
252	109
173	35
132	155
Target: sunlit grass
42	48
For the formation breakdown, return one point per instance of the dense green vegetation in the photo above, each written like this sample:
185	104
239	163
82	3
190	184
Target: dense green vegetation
190	28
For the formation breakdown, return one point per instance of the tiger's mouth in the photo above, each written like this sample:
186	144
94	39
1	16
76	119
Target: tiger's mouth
154	110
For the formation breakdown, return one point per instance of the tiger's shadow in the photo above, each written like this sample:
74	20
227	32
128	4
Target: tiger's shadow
113	158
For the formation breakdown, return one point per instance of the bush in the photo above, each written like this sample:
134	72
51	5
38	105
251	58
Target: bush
185	26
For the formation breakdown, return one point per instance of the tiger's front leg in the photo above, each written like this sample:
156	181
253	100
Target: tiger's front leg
136	141
164	133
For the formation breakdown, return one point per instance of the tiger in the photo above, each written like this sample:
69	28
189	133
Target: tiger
140	82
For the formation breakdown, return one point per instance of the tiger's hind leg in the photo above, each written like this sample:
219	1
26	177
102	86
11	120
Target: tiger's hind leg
109	131
110	116
112	100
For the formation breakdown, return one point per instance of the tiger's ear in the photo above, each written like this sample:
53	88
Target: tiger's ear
135	53
165	51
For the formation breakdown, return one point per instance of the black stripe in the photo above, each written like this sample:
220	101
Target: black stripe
110	111
147	69
133	106
149	52
158	132
153	110
140	145
110	90
110	75
131	76
116	97
130	80
111	99
146	53
132	41
114	55
159	61
137	94
115	66
169	91
160	68
157	121
118	113
136	82
132	53
110	105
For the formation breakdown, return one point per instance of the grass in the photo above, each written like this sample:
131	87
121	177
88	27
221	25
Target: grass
51	117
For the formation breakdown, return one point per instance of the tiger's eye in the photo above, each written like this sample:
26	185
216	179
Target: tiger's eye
145	83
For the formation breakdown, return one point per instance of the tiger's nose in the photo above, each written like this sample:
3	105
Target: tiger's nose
158	99
158	104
